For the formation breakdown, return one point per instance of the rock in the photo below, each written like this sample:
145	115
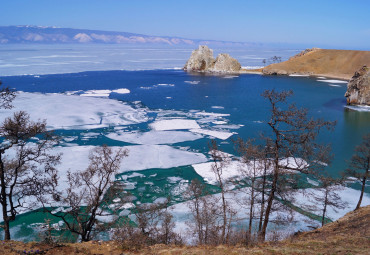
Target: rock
200	59
358	88
304	52
274	72
226	64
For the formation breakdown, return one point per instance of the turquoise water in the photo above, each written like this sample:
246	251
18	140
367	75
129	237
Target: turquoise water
238	96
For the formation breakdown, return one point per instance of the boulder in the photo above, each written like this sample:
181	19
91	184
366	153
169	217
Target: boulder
200	60
358	88
226	64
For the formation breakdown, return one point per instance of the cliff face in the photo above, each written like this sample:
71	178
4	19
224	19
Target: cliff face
340	64
358	88
202	60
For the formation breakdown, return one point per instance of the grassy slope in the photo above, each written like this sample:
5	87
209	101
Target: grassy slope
339	64
348	235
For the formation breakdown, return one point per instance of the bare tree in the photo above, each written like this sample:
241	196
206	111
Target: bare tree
155	223
360	165
326	196
292	145
253	172
7	95
204	214
220	161
88	193
27	169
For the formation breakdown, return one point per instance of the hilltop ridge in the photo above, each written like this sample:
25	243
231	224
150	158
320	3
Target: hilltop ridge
339	64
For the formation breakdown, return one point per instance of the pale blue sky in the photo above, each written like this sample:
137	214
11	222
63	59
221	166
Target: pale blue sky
336	23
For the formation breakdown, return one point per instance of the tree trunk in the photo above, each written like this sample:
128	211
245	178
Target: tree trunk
4	203
271	197
251	211
362	193
6	230
324	211
263	201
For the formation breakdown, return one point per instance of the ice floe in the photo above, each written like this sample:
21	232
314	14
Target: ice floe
216	134
64	112
333	81
96	93
154	137
140	157
192	82
174	124
121	91
205	170
347	195
298	75
235	168
359	108
213	114
217	107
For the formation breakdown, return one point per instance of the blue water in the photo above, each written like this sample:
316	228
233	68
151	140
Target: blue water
239	96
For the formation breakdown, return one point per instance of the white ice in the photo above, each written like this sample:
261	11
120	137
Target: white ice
235	168
333	81
299	75
206	171
348	195
154	137
192	82
140	157
174	124
212	114
121	91
359	108
216	134
64	112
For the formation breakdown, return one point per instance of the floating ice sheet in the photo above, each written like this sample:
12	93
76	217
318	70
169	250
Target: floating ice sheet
217	134
154	137
333	81
64	112
348	195
206	171
174	124
140	157
235	168
359	108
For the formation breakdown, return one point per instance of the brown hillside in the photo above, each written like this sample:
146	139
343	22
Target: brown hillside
340	64
348	235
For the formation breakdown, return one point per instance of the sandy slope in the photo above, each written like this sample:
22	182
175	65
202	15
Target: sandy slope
348	235
340	64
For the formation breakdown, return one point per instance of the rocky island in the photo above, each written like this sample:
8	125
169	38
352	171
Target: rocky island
202	60
358	89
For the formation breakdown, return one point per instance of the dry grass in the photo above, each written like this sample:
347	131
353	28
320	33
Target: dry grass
349	235
340	64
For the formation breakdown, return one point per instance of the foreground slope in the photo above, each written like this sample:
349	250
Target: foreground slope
348	235
340	64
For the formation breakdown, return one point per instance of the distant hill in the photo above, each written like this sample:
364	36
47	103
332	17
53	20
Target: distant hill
37	34
340	64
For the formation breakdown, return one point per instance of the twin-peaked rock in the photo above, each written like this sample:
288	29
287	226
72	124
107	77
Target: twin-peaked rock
202	60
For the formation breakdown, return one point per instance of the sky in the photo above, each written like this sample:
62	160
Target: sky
324	23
